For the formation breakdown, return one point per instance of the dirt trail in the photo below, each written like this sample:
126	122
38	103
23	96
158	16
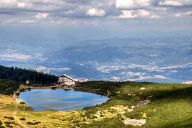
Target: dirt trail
17	120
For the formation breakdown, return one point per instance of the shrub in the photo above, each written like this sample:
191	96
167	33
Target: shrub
22	102
22	118
9	117
33	123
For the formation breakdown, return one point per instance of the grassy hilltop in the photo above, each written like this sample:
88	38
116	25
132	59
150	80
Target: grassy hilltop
160	105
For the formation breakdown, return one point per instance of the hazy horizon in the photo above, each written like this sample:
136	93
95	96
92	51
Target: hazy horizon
127	40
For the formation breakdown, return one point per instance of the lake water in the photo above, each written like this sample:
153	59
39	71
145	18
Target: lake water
60	99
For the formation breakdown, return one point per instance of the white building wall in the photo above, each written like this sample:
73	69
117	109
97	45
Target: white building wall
66	81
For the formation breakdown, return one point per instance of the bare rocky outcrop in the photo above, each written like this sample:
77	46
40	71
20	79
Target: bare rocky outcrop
134	122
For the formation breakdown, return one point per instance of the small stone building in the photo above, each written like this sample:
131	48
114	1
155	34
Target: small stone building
66	80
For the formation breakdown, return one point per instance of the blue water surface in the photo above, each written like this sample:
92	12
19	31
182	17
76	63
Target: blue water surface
60	99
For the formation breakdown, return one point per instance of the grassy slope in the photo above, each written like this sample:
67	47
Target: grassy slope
170	107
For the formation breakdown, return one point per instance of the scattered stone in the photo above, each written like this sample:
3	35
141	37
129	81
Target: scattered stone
130	110
144	102
129	94
144	115
142	88
134	122
97	114
150	96
132	107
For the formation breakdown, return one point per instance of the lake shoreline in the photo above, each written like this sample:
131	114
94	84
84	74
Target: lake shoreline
59	99
25	87
124	106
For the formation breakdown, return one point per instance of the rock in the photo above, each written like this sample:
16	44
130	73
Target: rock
131	94
134	122
144	102
130	110
144	115
118	92
142	88
132	107
97	114
150	96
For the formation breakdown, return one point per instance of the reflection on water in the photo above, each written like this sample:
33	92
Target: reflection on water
59	99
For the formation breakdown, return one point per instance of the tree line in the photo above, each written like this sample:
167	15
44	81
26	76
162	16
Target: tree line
24	75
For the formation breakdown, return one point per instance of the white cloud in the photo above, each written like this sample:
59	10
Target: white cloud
49	69
129	4
95	12
171	3
131	14
115	79
41	15
175	2
187	82
39	57
143	77
133	74
27	21
42	69
176	66
128	69
15	55
24	5
172	68
12	55
8	3
73	11
108	69
155	17
181	14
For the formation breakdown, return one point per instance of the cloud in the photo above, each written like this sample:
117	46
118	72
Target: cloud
49	69
78	11
170	3
176	3
143	76
41	15
21	5
135	72
149	72
109	69
17	56
187	82
182	14
131	14
130	4
95	12
114	78
12	55
140	76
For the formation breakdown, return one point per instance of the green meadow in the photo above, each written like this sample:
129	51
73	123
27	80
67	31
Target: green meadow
131	105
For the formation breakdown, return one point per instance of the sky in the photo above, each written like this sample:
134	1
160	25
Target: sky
91	11
139	40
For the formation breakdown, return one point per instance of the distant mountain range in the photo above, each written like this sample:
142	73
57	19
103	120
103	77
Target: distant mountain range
153	59
136	59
